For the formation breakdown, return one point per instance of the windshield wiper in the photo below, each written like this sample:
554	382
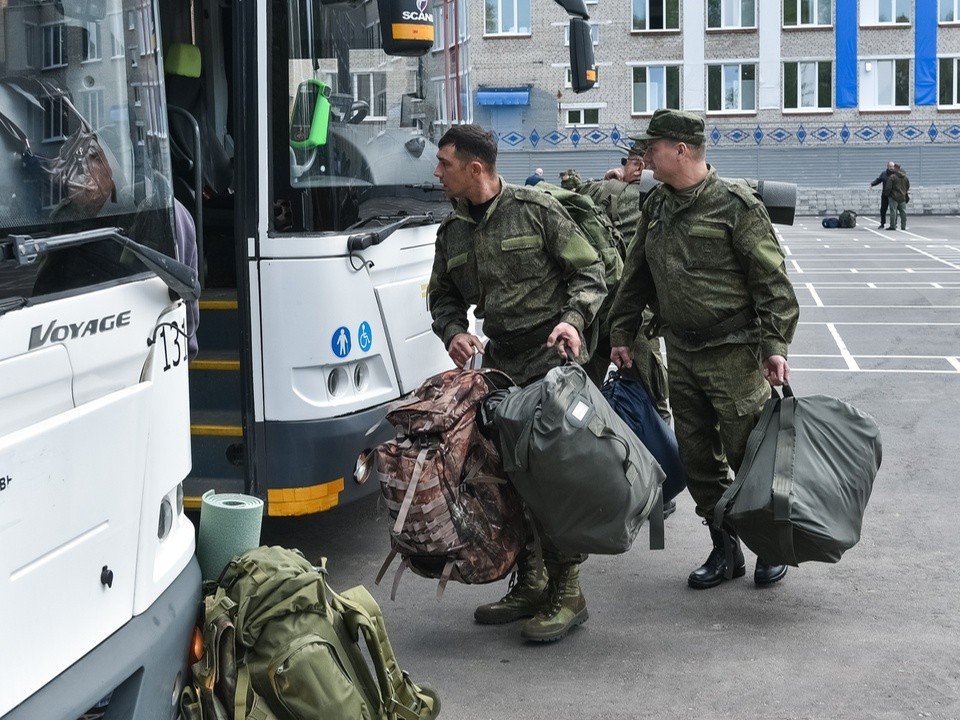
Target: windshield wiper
12	303
361	241
25	249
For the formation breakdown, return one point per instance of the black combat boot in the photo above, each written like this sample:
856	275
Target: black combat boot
765	574
715	570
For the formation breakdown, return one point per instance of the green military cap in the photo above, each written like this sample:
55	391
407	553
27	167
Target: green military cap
673	125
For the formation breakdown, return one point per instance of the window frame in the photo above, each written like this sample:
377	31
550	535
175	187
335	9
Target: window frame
955	10
594	34
800	108
665	9
872	83
955	61
92	50
666	68
740	110
738	10
49	51
870	13
581	108
355	89
500	31
815	15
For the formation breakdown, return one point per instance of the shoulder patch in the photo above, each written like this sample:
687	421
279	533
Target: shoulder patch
743	190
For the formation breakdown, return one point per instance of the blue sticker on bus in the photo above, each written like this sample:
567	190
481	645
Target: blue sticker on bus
341	342
364	336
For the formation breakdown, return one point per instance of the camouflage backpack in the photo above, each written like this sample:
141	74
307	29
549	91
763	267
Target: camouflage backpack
280	644
455	515
596	227
848	219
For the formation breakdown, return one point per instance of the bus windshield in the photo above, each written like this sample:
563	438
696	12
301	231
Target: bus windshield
353	136
83	135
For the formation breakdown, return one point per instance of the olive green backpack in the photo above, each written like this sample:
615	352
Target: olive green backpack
280	644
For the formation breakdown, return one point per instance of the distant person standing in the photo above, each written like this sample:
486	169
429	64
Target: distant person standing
884	193
897	188
535	178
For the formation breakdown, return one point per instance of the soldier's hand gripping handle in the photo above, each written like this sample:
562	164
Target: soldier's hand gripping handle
621	357
776	370
566	338
463	347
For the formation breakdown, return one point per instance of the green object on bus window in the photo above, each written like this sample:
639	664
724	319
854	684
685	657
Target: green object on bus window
311	115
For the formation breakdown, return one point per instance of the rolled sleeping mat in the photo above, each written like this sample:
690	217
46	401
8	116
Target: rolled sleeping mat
229	525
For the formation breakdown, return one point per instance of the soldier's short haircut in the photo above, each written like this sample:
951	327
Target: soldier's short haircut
472	142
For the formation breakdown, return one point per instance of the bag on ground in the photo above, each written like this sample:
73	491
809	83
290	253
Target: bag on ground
455	515
280	644
631	401
847	219
830	222
582	472
807	475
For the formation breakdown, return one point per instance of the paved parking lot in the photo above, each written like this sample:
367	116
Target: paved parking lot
875	636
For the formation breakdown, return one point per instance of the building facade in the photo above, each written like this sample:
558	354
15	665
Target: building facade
805	84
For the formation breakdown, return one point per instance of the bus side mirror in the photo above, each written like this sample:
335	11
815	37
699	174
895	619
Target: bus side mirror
583	69
311	115
406	28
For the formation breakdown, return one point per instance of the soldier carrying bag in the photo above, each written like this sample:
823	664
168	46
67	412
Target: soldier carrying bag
583	474
806	477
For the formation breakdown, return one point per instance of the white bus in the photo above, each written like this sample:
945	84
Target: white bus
305	154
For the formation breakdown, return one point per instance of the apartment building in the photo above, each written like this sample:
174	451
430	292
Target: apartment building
789	88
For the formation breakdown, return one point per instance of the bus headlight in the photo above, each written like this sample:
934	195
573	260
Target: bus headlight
166	518
361	374
361	472
337	382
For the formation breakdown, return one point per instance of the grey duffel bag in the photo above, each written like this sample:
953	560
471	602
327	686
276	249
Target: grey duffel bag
805	481
582	472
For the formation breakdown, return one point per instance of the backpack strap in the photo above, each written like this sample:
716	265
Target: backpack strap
411	491
401	697
444	578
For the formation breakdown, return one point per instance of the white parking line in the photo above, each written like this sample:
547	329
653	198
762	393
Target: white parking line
796	267
813	294
955	362
934	257
848	358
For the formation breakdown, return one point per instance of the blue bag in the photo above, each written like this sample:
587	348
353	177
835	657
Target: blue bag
631	401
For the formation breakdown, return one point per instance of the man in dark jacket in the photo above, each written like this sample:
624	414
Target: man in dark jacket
884	193
897	188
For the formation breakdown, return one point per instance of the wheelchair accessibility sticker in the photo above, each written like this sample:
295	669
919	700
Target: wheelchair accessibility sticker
341	342
364	336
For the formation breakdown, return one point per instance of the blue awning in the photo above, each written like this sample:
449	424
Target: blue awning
503	96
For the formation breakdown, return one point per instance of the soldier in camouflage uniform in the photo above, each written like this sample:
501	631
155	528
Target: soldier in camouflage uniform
707	261
516	255
570	179
620	194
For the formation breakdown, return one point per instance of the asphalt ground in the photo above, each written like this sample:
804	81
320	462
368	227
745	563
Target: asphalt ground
876	636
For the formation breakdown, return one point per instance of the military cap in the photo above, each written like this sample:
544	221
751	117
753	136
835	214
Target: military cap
673	125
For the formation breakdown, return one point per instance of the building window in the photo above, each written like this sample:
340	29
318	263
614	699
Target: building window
594	34
807	12
884	12
440	21
91	41
116	35
731	13
507	17
949	82
371	88
53	50
656	86
885	84
31	46
53	128
732	88
949	11
582	116
91	105
807	85
656	14
568	77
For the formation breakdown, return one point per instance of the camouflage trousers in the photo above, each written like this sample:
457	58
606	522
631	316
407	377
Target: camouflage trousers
716	394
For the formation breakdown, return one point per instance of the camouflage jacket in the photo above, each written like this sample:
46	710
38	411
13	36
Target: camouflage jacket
711	268
525	266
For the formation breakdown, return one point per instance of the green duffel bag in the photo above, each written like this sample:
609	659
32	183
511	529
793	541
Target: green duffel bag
579	468
805	481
